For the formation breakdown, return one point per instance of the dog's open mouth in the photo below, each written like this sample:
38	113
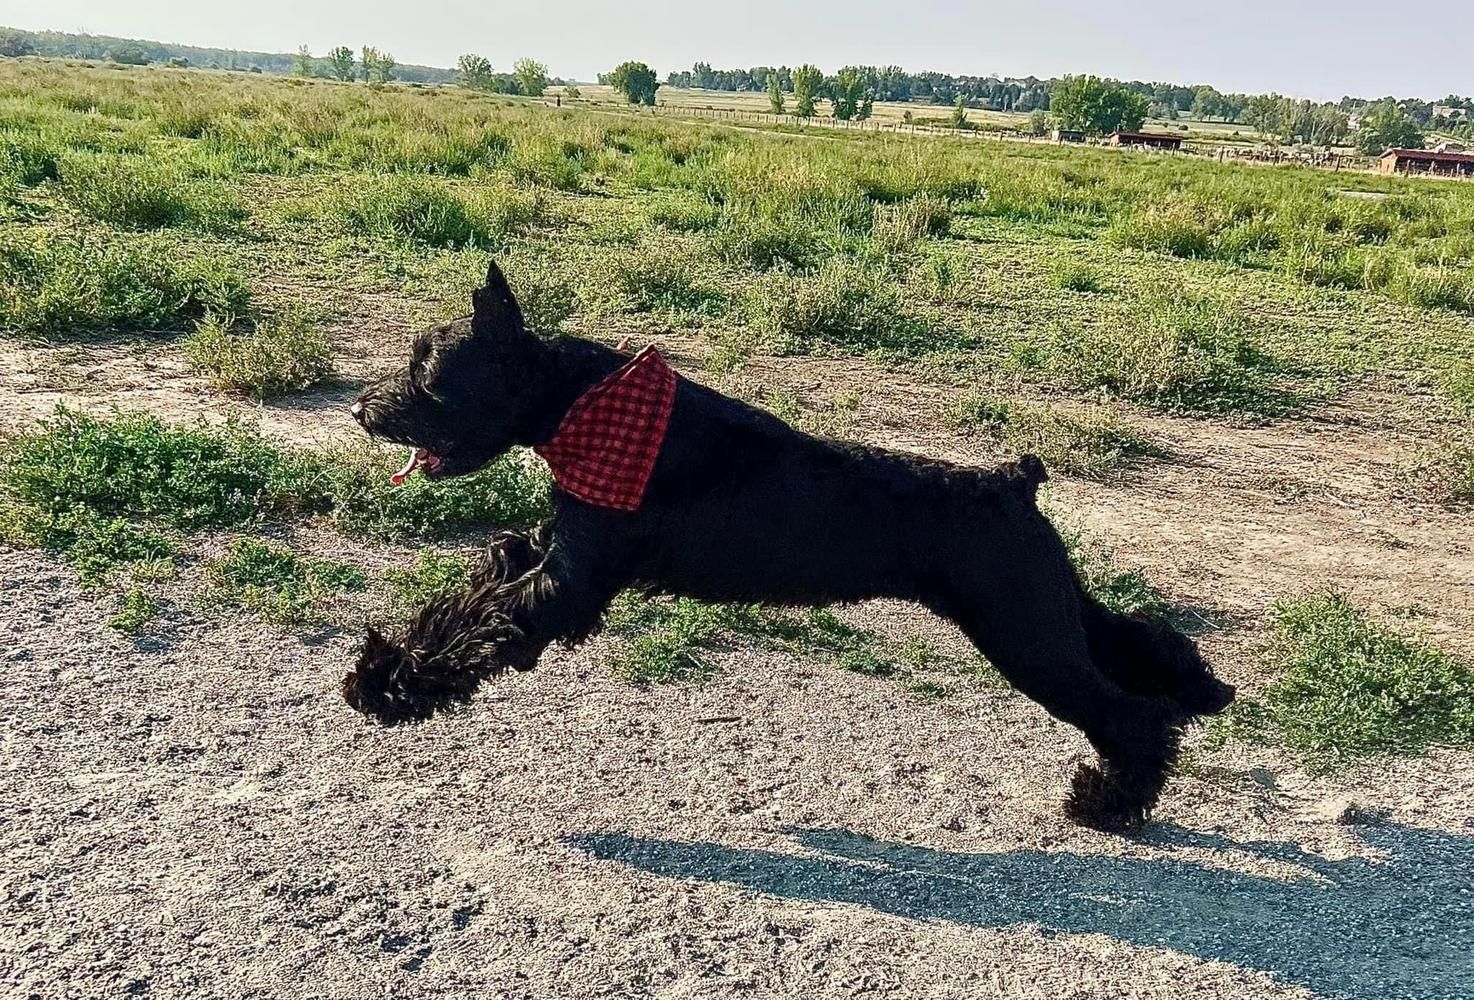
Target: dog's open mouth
419	458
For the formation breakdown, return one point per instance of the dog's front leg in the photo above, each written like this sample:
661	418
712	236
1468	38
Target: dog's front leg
498	621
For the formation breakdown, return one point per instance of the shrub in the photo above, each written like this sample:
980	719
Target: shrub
275	356
136	611
899	227
1349	687
664	275
764	243
133	466
27	158
1180	228
405	206
55	283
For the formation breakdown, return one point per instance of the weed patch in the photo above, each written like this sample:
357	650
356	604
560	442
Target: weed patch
1090	443
275	582
133	192
274	357
137	610
434	573
1349	687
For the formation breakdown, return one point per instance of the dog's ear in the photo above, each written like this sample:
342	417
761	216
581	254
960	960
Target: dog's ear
495	311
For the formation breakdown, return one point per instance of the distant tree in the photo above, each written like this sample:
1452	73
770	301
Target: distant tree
474	72
1039	123
958	119
1209	103
775	94
571	91
302	61
532	77
178	62
636	81
807	81
1387	126
368	58
128	54
384	67
1090	104
15	43
340	63
850	95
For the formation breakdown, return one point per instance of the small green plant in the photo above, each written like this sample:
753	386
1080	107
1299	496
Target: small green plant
1071	276
1122	589
274	581
55	282
664	276
844	305
435	572
430	211
275	356
1349	687
138	609
509	491
901	226
1091	443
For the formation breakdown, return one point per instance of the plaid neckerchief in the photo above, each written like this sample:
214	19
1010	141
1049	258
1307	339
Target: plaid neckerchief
608	441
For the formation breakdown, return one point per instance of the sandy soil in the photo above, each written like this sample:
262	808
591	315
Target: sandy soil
197	814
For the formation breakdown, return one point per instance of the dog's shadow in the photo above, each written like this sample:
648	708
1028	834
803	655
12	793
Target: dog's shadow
1398	926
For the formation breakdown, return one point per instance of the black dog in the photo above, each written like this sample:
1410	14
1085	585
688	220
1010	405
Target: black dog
742	507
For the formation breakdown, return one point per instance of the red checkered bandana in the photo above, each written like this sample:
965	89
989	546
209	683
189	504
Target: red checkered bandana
607	444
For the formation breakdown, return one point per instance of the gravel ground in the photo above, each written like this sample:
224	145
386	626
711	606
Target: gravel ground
197	814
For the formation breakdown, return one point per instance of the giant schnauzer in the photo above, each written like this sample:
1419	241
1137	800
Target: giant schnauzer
664	485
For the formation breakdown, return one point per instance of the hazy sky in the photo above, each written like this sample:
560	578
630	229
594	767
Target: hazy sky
1310	48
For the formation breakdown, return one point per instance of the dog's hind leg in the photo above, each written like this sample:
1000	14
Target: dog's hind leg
1028	626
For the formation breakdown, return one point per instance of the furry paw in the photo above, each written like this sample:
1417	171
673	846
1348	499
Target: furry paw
1100	800
392	686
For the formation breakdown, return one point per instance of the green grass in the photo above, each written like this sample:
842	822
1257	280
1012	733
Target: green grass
843	305
673	641
430	211
277	583
1349	687
434	572
132	192
274	357
510	491
1091	443
60	283
1072	276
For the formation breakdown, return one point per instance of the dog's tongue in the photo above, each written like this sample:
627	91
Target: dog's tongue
416	457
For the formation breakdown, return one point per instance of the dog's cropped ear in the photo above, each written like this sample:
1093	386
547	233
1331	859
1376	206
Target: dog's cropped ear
494	309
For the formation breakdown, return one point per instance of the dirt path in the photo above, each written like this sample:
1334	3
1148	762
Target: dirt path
198	815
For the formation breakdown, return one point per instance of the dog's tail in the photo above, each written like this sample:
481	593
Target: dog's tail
1147	656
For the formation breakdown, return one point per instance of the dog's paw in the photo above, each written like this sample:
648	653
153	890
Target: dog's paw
391	686
1101	801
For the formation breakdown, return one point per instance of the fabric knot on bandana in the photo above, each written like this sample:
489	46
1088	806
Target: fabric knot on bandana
608	441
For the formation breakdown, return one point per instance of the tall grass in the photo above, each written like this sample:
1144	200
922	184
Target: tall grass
56	282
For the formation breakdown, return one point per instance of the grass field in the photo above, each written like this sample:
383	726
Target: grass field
1253	385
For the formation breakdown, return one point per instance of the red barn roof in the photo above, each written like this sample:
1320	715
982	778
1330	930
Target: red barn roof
1428	154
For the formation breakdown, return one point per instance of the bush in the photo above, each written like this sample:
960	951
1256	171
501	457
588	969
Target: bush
404	206
137	610
276	356
765	243
58	283
1350	687
899	227
133	466
132	192
27	158
664	275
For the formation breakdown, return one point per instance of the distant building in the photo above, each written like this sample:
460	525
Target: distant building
1449	146
1068	135
1151	140
1450	113
1427	161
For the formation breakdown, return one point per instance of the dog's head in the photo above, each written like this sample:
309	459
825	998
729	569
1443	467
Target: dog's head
470	389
